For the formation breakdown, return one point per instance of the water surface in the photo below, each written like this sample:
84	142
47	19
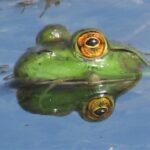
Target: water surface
127	129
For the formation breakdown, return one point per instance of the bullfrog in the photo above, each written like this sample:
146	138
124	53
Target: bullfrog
94	70
86	55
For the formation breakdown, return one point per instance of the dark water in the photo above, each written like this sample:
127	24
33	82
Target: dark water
127	129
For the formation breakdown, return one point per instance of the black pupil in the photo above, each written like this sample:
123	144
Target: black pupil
100	111
92	42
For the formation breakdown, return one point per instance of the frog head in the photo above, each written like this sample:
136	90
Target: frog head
87	55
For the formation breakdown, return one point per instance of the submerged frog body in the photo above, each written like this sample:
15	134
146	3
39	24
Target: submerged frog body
85	59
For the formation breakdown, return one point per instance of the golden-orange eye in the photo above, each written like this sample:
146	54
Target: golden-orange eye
99	108
91	44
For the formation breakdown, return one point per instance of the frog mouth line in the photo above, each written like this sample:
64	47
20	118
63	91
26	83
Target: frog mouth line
71	82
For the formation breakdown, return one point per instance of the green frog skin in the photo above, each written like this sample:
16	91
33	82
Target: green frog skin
83	72
87	55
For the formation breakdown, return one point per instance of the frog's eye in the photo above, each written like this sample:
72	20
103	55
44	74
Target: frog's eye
99	108
91	44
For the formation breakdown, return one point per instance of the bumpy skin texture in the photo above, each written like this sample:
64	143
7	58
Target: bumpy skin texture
84	72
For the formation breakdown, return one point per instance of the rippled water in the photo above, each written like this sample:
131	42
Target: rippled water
127	129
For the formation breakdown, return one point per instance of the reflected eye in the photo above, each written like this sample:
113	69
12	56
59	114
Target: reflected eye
91	44
99	108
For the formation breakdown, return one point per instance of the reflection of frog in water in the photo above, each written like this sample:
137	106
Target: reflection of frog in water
92	71
93	103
